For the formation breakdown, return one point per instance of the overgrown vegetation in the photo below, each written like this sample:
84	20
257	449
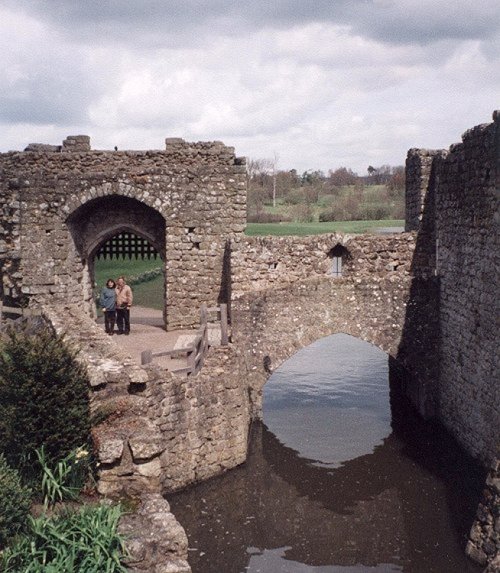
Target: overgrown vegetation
43	399
44	420
341	195
15	502
83	541
64	479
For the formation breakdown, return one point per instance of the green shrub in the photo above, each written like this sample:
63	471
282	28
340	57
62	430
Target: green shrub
66	478
15	502
86	541
43	399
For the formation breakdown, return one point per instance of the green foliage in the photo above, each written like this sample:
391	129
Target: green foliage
302	214
43	399
66	478
15	502
85	541
302	229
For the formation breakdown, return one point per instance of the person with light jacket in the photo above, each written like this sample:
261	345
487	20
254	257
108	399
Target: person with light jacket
124	299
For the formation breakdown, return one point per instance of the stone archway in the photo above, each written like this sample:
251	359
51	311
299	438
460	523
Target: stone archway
94	223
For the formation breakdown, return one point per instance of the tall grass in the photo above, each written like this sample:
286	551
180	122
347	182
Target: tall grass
86	541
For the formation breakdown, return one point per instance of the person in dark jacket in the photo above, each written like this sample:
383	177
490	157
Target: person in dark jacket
108	305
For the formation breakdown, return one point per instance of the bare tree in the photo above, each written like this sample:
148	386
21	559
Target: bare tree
275	172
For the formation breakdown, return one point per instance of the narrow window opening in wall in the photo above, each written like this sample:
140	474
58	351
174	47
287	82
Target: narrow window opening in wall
191	230
273	266
339	256
196	245
337	266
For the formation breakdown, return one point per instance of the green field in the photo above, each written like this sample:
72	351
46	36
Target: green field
302	229
149	293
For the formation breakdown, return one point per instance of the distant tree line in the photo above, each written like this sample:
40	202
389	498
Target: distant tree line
340	195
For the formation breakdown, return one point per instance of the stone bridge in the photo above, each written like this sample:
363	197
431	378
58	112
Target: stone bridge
426	297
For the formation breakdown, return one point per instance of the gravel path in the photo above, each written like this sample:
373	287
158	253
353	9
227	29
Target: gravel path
147	331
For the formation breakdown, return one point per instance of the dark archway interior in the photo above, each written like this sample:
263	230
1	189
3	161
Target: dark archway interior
116	226
97	221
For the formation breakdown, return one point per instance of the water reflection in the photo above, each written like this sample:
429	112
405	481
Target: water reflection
330	401
395	501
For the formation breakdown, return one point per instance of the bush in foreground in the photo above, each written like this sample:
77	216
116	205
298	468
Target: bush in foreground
15	502
43	399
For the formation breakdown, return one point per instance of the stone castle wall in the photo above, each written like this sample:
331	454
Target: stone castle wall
468	264
259	263
195	193
457	191
284	297
459	218
158	432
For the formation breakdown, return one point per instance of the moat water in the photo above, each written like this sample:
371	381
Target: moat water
341	477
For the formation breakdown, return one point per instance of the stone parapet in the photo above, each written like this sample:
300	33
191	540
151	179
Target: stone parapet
156	431
258	263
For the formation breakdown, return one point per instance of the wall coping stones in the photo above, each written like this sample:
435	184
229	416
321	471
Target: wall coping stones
156	542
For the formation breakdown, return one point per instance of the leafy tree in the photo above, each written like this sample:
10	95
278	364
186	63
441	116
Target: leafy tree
43	398
342	177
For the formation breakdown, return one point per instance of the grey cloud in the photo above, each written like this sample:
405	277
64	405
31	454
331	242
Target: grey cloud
156	22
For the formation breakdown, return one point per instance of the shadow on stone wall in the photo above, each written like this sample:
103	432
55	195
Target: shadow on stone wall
418	351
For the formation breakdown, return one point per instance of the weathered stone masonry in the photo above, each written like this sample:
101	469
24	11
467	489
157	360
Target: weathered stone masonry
285	297
57	204
427	297
461	218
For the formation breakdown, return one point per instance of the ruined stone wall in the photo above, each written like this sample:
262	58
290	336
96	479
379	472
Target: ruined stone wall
484	539
259	263
285	297
460	215
51	198
468	264
419	188
156	431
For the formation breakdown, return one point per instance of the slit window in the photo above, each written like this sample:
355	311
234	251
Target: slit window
338	255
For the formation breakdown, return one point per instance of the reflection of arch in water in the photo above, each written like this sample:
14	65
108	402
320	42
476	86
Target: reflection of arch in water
365	513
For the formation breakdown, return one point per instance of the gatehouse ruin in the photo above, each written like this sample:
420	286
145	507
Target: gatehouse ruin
427	297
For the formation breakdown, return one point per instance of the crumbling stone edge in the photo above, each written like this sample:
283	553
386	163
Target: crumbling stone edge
155	541
484	538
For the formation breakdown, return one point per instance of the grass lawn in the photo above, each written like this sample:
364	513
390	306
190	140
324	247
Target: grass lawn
281	229
113	268
149	294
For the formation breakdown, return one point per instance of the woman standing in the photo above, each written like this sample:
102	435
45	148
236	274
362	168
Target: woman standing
108	305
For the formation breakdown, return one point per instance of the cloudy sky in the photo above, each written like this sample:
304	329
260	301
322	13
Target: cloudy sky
319	83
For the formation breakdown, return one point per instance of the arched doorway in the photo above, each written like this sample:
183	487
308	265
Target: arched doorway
116	227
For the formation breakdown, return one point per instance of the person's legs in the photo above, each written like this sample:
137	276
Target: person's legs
111	321
120	320
126	320
106	322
